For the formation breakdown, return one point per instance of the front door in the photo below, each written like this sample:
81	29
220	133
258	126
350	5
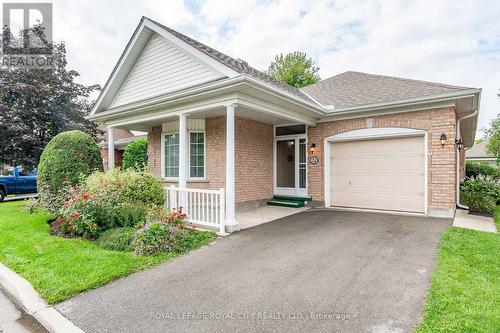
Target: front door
290	165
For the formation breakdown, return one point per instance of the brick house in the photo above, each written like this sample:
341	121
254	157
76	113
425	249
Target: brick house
355	140
121	138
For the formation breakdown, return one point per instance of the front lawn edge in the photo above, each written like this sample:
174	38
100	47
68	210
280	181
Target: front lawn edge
24	295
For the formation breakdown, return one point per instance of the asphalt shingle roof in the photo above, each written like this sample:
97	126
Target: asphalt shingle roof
352	89
478	151
236	65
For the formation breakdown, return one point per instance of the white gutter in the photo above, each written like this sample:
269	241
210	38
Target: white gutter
400	103
161	100
458	137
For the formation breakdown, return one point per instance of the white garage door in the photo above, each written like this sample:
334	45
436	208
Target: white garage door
383	174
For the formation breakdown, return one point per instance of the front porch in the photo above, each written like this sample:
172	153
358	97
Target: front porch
223	159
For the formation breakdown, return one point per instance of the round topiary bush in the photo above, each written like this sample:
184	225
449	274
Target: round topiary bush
69	156
136	154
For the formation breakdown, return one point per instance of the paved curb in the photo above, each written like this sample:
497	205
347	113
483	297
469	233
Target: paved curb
25	296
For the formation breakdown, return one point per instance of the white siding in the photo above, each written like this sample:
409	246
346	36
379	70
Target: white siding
192	125
162	68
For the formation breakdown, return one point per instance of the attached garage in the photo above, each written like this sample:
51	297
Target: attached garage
381	168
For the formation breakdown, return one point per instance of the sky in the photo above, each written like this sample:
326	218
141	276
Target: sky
449	41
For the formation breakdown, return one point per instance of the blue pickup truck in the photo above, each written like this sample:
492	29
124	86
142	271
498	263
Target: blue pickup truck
17	181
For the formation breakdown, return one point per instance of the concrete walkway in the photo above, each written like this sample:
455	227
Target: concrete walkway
315	271
263	214
13	320
468	221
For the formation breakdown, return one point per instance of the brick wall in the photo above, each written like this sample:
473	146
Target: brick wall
254	160
253	154
118	157
154	151
441	171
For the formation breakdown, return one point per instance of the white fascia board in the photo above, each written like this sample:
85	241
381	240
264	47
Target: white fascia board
275	110
314	99
386	111
163	114
118	66
278	92
403	103
207	60
164	100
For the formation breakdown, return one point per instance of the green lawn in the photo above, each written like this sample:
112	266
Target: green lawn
59	268
465	292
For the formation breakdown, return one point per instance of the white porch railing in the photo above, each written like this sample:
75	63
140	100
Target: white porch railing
204	208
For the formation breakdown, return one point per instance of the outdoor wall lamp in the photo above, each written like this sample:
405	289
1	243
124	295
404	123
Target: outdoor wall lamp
313	148
459	143
442	138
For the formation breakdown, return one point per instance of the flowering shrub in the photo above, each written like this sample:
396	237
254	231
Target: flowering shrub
132	185
481	194
164	231
87	213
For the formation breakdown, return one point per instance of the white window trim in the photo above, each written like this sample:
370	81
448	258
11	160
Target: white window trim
162	164
204	156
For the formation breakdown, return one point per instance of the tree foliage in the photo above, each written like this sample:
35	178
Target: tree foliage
37	104
295	69
69	157
492	135
136	154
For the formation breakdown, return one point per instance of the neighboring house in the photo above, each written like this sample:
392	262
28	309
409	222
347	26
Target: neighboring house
477	153
122	138
353	140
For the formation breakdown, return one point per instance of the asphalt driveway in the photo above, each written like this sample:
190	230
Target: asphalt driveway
318	270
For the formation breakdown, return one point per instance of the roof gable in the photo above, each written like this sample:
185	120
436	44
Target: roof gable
133	51
221	63
351	89
162	67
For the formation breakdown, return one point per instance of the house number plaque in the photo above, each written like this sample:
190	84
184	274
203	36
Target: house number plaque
313	160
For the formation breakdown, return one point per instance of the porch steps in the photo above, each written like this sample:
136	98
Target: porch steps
288	201
290	198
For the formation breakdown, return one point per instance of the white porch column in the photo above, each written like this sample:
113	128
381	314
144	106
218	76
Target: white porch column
111	148
231	224
183	158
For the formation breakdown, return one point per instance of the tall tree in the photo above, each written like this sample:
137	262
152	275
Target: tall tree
492	136
295	69
37	104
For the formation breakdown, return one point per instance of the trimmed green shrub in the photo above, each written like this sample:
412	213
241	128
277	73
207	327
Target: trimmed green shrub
136	154
187	241
474	169
132	185
117	239
129	214
69	156
480	194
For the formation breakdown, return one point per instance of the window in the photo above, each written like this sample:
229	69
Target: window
171	155
290	130
196	155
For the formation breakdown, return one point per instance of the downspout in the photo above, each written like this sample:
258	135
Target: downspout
458	137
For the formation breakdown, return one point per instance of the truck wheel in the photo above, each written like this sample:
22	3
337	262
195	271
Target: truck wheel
2	195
